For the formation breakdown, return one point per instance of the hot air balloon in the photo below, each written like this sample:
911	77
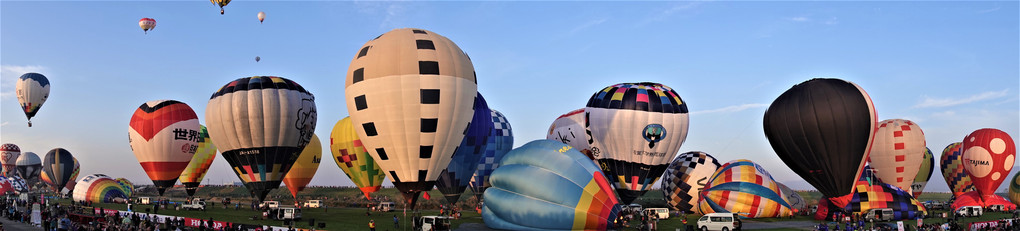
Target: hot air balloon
951	166
192	175
99	188
454	180
501	140
897	151
260	125
743	187
1014	189
129	188
257	59
822	129
684	179
164	136
924	174
18	183
636	129
57	168
353	159
220	3
874	194
32	89
412	138
29	167
9	154
147	24
569	129
262	16
794	199
571	192
73	180
988	156
5	186
304	168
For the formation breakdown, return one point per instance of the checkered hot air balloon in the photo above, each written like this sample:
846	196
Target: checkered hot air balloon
410	94
636	129
164	136
499	143
199	165
951	166
686	176
454	180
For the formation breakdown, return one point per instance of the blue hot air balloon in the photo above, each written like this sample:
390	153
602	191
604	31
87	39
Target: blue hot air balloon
454	180
500	142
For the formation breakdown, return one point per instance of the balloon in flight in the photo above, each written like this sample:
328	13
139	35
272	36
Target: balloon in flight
147	24
32	90
262	16
220	3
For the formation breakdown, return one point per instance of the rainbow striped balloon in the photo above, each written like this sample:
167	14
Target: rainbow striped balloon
548	185
743	187
98	188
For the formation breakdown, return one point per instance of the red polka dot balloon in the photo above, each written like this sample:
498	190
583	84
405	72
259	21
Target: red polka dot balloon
988	156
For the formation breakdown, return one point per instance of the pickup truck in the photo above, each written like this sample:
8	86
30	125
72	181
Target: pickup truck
194	204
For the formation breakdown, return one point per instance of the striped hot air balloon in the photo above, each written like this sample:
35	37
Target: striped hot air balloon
743	187
164	135
99	188
57	168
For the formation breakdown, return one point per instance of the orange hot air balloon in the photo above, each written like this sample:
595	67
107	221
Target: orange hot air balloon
164	136
305	167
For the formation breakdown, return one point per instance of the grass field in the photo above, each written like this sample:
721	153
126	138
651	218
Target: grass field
346	208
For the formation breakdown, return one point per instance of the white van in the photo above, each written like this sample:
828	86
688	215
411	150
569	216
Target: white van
661	213
270	205
288	213
882	214
313	204
719	221
996	208
386	206
433	223
969	211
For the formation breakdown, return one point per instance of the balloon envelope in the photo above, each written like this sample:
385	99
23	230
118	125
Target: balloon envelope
29	166
147	24
99	188
410	105
548	185
924	174
9	154
164	135
951	165
262	16
192	175
684	179
305	167
260	125
636	129
57	168
988	156
569	129
793	198
743	187
500	141
454	180
897	152
822	129
873	194
32	90
351	157
1014	189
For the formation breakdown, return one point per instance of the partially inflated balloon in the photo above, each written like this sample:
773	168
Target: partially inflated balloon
636	129
129	188
743	187
164	136
793	198
29	166
147	24
409	93
569	129
924	174
350	155
260	125
199	165
9	154
305	167
873	194
499	143
823	129
57	168
32	89
897	152
454	180
99	188
548	185
988	155
684	179
951	166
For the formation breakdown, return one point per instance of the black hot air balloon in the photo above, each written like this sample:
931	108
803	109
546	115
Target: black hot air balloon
822	129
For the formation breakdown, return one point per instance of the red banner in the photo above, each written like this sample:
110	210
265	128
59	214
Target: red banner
192	222
107	212
983	225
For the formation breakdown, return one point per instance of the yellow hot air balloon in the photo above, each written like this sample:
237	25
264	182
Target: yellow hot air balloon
220	3
305	166
351	156
199	165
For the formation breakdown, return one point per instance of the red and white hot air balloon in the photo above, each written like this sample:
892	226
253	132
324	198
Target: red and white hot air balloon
988	156
897	152
164	135
147	24
9	154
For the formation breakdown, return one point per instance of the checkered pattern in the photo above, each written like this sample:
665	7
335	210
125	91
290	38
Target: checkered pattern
499	124
874	194
951	164
680	184
498	145
653	97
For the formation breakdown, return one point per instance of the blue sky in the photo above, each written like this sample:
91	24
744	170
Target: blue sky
952	67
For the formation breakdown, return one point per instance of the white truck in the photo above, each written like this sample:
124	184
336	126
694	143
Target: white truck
269	205
194	204
286	213
312	204
433	223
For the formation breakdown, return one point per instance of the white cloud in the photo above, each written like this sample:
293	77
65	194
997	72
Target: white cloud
800	19
9	75
730	109
5	123
831	21
946	102
989	10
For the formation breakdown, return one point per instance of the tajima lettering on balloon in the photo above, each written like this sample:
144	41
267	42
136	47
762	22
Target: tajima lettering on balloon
978	162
